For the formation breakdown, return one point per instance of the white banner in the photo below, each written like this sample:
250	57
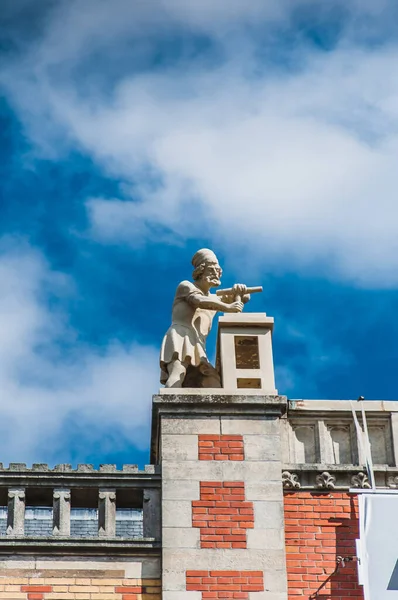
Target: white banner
378	545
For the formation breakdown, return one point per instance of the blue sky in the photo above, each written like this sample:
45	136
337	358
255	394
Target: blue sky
134	133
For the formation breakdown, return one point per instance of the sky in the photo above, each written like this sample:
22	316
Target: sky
132	134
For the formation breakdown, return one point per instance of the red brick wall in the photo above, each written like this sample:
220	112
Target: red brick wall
221	447
318	528
222	514
225	584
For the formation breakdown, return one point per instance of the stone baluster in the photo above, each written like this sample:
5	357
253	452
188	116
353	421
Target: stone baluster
61	512
16	512
151	514
107	513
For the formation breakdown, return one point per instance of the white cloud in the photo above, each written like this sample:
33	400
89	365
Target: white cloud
298	166
49	393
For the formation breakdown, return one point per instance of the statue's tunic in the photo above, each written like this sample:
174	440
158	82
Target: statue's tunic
186	338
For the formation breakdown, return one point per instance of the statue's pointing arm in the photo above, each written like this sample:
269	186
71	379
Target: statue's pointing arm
197	299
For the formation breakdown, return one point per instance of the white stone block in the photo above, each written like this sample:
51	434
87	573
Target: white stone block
192	470
250	426
262	447
174	580
272	490
261	539
223	560
177	513
190	425
275	581
254	472
180	447
268	515
180	489
180	537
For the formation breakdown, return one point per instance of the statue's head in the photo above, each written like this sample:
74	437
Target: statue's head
206	267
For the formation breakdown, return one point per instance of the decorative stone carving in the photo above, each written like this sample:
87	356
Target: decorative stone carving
325	481
184	344
290	481
340	442
392	482
304	444
360	480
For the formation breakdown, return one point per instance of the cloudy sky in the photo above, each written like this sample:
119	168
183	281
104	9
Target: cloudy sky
133	133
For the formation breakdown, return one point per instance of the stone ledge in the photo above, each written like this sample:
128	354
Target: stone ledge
297	405
202	400
81	468
74	546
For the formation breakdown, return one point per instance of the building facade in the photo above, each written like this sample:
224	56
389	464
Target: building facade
249	495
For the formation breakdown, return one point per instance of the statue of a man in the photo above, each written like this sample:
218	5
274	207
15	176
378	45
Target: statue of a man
184	345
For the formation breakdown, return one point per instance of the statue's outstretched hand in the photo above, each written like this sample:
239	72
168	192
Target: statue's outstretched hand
240	289
235	307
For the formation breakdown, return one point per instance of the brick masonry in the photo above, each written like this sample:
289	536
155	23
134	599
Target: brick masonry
318	528
222	514
59	588
225	584
221	447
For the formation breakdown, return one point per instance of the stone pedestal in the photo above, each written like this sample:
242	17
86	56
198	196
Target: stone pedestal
244	352
222	501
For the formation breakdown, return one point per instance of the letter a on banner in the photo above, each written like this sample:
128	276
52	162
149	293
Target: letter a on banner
378	545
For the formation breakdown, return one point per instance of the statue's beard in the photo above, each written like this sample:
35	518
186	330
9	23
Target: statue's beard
214	280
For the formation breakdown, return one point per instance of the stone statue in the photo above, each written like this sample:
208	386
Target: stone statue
183	358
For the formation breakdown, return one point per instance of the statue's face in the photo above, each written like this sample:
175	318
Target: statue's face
212	274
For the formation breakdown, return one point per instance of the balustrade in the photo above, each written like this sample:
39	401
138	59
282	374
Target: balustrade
101	505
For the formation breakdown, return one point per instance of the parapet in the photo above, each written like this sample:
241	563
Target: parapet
321	451
66	510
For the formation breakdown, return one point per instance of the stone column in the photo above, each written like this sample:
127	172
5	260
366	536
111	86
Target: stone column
222	496
151	514
107	513
394	427
16	512
61	512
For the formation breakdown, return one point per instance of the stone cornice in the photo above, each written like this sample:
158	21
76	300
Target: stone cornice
74	546
323	478
40	475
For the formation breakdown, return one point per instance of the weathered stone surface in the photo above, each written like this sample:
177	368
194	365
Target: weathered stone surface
258	471
152	511
192	470
180	537
16	512
107	513
177	513
177	489
262	448
178	447
182	426
61	512
234	560
268	515
253	426
272	538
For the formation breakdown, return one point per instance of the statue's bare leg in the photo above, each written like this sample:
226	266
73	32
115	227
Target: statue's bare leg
176	371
